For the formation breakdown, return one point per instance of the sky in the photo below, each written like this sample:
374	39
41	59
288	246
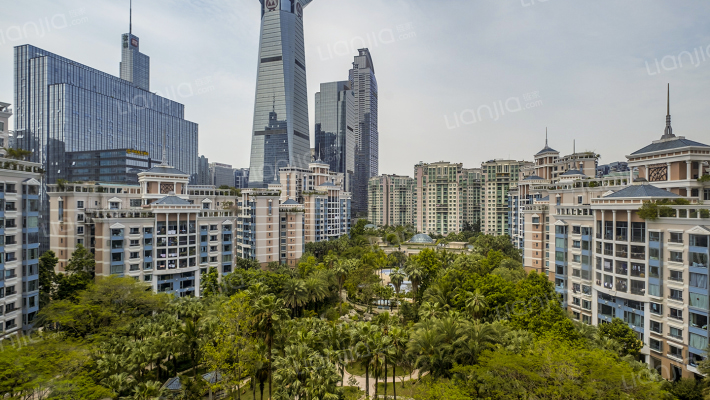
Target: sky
459	80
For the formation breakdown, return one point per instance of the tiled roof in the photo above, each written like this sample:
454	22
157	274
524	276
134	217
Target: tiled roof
162	169
547	149
573	172
531	177
172	201
669	145
173	384
290	202
642	191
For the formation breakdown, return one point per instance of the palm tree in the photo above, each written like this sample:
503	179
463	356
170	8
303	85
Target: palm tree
330	260
440	293
415	272
190	335
397	278
365	346
16	154
294	293
399	338
118	383
478	338
317	288
147	391
256	291
341	270
430	310
269	311
475	302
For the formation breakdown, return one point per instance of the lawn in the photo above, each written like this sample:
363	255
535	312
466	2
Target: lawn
407	391
355	368
351	393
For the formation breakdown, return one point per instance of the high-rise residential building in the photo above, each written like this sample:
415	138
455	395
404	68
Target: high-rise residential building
364	85
608	260
70	107
19	247
446	197
160	231
390	200
221	174
280	137
241	178
204	177
335	132
5	114
122	165
497	177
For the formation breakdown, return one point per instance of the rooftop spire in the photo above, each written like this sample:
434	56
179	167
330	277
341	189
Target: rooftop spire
130	17
668	133
545	136
165	154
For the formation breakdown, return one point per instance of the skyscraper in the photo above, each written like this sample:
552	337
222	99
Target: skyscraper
335	132
280	136
364	85
135	66
70	107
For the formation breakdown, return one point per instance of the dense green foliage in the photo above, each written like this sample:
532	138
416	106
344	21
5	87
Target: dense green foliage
474	326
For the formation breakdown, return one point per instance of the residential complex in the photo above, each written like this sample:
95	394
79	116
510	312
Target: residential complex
497	177
610	260
160	231
280	137
334	134
367	137
19	245
390	200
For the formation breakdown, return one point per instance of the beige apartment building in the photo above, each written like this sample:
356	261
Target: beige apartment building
607	262
445	197
161	231
390	200
497	178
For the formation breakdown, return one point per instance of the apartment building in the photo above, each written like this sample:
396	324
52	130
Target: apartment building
161	231
5	114
445	197
497	177
609	262
19	245
390	200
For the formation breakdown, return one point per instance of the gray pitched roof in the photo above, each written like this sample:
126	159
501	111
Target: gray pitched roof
326	184
642	191
573	172
172	201
173	384
531	177
547	149
668	145
546	198
290	202
162	169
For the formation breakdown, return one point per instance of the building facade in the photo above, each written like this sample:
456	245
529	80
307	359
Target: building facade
334	128
367	137
135	66
221	174
161	231
5	114
64	107
497	177
241	178
121	165
204	178
609	260
390	200
19	245
280	137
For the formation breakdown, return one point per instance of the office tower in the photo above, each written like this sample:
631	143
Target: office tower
19	262
390	200
280	137
445	198
159	231
70	107
203	172
135	66
335	135
241	178
364	85
122	165
221	174
608	260
497	177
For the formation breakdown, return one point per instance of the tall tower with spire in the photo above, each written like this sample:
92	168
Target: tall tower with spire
135	66
281	131
668	133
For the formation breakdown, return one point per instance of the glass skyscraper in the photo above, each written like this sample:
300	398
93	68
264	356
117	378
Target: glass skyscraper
280	136
335	132
364	85
63	106
135	66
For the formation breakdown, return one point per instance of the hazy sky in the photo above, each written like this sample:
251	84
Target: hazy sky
459	80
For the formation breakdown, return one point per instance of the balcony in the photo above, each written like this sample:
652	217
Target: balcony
622	253
675	317
638	256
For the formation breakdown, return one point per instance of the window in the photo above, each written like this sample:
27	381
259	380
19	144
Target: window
654	236
633	319
586	304
148	278
575	301
575	315
135	202
135	267
116	257
580	199
117	269
114	205
656	345
698	280
213	227
621	284
676	295
699	301
675	313
147	266
587	319
676	276
676	333
656	308
676	237
80	204
148	230
638	270
213	238
79	230
699	321
60	211
698	342
698	260
135	231
699	241
656	327
676	256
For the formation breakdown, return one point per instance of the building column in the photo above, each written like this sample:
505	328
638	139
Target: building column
648	174
613	225
602	231
668	172
688	165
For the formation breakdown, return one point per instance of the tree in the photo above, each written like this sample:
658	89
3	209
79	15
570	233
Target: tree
47	263
232	348
397	278
620	332
79	274
295	294
416	273
475	303
209	283
269	311
17	154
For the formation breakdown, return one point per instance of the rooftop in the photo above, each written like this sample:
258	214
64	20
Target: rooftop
172	201
669	144
643	190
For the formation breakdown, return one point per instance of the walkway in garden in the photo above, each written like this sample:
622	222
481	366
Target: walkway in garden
361	382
